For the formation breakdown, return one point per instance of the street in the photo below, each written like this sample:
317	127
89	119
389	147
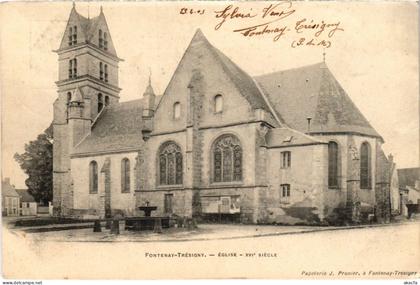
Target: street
372	252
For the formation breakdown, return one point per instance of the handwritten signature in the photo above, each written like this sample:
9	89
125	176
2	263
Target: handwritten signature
309	31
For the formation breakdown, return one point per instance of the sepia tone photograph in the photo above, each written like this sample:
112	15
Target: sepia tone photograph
210	140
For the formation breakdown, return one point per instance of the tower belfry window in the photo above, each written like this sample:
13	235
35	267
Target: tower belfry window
101	40
105	41
101	71
74	36
100	102
70	37
106	72
72	68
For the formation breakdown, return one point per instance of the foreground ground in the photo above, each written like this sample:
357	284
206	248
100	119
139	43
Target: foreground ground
216	251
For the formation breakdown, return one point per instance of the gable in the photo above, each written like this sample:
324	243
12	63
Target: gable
219	75
78	21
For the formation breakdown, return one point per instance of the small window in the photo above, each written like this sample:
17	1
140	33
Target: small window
106	100
177	110
285	190
286	158
218	103
72	68
93	177
125	175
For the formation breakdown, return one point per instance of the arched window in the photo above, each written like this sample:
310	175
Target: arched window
170	164
106	100
105	41
101	71
227	159
365	166
93	177
218	103
101	40
100	102
125	175
333	165
177	110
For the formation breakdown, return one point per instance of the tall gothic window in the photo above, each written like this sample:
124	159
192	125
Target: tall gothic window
100	102
101	40
125	175
333	164
170	164
93	177
365	167
70	69
227	159
218	103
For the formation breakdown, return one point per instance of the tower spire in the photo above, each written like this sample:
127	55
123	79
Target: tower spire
150	76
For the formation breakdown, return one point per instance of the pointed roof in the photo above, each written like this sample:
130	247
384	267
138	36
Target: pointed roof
89	28
312	91
149	88
25	196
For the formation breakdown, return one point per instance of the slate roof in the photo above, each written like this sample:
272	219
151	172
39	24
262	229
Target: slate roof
408	177
25	196
243	82
284	137
8	190
312	91
118	128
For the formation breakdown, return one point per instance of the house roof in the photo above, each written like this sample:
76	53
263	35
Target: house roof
313	92
408	176
25	196
284	137
8	190
118	128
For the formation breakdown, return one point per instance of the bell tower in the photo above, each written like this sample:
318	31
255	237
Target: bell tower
87	69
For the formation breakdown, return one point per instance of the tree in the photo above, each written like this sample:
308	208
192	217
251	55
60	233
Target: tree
37	163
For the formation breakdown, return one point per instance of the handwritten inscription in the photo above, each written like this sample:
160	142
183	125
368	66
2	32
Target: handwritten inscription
279	20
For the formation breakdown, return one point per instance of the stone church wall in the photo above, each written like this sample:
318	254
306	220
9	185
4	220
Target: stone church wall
86	203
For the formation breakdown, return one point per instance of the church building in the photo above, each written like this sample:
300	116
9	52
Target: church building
289	147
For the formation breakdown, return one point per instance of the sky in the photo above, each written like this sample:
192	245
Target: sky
373	55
